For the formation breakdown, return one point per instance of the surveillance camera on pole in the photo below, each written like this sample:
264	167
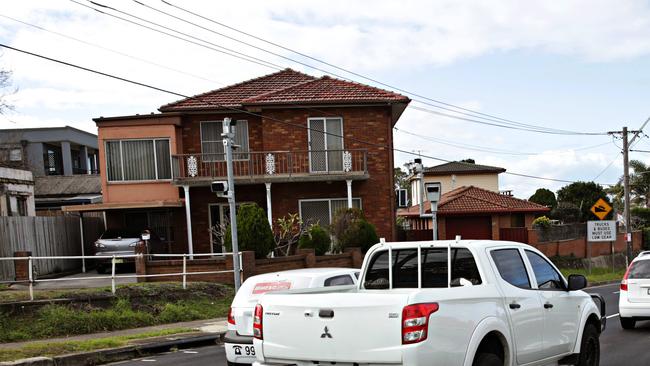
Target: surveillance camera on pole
220	187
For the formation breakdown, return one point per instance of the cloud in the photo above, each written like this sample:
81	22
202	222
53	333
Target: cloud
371	37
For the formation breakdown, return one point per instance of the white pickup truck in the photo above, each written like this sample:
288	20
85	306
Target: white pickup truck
503	303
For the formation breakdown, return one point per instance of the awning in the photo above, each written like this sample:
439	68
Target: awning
122	206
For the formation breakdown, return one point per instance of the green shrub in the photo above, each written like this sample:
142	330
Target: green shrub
351	229
316	238
253	231
542	222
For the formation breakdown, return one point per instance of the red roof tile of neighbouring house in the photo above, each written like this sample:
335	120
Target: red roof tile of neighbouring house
474	200
285	87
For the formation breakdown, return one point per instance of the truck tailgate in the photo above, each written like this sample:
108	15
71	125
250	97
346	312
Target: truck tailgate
334	327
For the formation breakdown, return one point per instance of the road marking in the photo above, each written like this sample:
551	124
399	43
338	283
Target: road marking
148	360
605	285
190	352
616	292
613	315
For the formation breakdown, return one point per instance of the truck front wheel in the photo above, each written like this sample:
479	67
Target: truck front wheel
589	347
487	359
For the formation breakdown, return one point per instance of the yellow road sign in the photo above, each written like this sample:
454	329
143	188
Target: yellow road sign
601	208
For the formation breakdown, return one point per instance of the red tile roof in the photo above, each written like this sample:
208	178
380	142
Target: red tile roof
285	87
474	200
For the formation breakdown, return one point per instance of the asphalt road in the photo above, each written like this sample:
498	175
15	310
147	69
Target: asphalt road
618	346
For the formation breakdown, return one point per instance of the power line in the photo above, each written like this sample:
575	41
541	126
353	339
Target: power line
262	63
486	148
163	90
360	75
111	50
515	125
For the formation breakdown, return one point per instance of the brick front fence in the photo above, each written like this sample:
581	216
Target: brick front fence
306	258
578	247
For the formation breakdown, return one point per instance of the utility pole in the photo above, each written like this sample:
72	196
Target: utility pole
228	138
626	183
626	194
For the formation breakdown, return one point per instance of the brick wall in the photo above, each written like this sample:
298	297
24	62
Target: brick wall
305	258
578	248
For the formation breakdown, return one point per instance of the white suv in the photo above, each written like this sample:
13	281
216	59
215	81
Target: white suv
634	298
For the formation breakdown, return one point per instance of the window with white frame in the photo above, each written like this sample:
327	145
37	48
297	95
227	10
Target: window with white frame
133	160
321	211
212	142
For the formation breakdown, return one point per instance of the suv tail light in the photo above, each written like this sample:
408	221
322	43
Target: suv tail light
231	318
257	322
627	273
415	321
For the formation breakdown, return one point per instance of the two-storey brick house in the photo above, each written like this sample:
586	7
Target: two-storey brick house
307	145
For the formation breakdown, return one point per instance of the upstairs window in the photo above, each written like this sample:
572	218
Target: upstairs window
212	142
138	160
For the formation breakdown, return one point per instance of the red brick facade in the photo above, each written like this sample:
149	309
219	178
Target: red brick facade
372	124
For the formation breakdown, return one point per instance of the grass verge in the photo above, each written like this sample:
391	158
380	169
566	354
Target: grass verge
597	274
61	348
133	306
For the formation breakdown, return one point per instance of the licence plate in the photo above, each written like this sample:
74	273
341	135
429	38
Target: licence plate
240	352
119	260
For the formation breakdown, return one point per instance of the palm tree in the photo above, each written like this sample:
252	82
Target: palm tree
640	183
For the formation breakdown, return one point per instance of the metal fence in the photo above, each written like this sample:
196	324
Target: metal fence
32	260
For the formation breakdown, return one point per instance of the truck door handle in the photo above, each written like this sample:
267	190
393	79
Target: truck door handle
514	305
326	313
548	305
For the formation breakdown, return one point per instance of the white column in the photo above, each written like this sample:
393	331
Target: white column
188	221
349	183
269	211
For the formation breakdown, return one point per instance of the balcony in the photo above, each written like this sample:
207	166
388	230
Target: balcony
271	166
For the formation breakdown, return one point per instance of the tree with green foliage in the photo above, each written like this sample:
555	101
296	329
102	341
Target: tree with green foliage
316	238
351	229
253	231
400	176
640	183
583	195
469	161
544	197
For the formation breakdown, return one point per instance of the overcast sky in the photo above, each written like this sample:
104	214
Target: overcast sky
572	65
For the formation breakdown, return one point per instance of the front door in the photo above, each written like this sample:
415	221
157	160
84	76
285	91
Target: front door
561	310
325	144
522	304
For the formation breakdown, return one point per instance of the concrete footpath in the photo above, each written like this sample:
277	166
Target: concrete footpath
207	332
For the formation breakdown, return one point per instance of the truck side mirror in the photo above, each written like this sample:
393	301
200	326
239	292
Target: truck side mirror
577	282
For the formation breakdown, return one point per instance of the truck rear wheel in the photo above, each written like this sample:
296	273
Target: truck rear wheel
589	347
487	359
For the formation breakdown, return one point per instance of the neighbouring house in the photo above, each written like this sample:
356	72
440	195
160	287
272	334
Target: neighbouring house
158	167
458	174
63	160
16	192
475	213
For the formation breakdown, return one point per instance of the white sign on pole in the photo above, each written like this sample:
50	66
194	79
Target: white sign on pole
601	230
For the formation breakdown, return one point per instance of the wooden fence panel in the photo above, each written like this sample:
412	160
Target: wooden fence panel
46	236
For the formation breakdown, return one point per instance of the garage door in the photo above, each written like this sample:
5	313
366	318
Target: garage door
469	227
